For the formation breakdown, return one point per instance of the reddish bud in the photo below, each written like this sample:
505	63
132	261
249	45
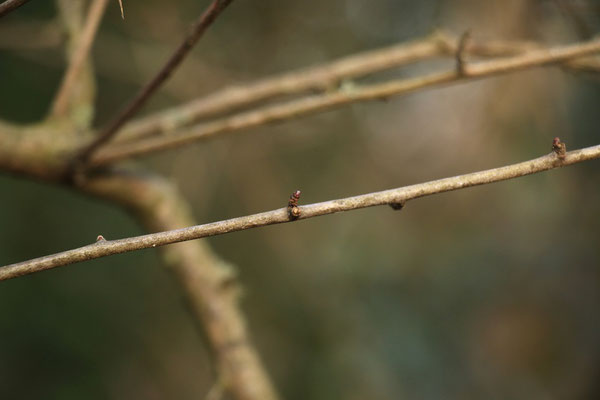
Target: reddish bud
559	148
293	210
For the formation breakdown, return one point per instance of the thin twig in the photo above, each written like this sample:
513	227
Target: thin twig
319	78
327	101
393	196
10	5
195	33
61	101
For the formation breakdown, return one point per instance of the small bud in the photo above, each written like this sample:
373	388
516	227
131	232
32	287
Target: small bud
555	142
398	206
100	238
560	148
293	209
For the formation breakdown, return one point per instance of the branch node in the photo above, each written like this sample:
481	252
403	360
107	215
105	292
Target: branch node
560	148
460	53
100	238
293	209
398	205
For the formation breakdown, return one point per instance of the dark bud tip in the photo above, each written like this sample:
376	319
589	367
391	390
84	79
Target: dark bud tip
559	148
296	194
397	206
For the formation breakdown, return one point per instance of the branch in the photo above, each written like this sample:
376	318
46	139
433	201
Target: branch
10	5
391	197
327	101
320	78
195	33
79	56
80	105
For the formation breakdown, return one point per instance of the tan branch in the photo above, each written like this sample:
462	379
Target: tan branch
208	283
321	78
392	197
327	101
78	58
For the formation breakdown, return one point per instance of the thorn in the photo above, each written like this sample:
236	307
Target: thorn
100	238
460	52
398	206
560	148
293	209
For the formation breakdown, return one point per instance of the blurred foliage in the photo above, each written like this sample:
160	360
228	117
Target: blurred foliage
490	292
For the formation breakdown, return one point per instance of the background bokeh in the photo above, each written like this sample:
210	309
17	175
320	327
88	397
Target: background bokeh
490	292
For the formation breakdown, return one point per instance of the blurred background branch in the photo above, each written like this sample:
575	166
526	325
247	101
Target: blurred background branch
194	34
328	100
323	78
78	57
10	5
77	97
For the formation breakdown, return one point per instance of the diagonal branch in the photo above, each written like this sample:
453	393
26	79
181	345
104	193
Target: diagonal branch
10	5
322	77
208	283
391	197
327	101
78	58
195	33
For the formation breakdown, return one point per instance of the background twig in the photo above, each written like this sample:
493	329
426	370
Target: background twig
10	5
81	52
195	33
319	103
321	78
